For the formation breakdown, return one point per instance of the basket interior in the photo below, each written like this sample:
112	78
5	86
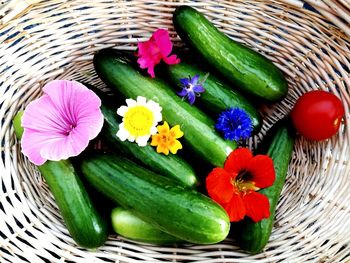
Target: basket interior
57	39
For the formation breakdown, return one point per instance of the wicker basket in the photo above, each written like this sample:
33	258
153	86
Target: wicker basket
56	39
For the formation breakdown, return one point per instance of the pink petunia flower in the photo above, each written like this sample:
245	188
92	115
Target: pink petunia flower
157	48
60	123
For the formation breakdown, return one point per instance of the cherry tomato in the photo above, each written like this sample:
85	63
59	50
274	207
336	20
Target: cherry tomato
317	115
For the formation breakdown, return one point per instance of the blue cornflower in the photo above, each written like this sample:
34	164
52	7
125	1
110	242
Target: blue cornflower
235	124
191	87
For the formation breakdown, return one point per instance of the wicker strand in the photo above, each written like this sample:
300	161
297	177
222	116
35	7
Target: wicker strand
56	39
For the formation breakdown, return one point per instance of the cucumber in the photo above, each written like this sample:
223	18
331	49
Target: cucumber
158	200
84	223
172	165
127	224
218	95
116	70
250	71
251	236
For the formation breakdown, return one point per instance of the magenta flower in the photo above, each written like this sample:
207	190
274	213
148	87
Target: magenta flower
157	48
60	123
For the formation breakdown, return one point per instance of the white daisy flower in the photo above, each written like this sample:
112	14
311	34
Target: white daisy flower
140	118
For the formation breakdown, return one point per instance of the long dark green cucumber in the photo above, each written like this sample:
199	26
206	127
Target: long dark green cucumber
251	236
244	67
84	223
172	165
158	200
116	69
218	95
127	224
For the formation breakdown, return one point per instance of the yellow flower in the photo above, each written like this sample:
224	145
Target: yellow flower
166	139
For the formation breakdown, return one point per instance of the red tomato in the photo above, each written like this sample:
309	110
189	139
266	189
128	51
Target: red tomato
317	115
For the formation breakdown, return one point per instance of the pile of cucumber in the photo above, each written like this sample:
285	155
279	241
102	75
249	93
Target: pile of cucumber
156	197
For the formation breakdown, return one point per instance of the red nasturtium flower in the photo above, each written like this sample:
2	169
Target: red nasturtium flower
234	186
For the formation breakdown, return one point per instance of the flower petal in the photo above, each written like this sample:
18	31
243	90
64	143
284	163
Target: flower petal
163	128
219	186
42	116
161	148
238	160
261	171
142	140
257	206
235	208
153	106
172	60
185	81
122	110
151	71
131	102
175	146
191	97
122	133
162	40
92	121
182	93
198	89
176	132
66	146
141	100
153	130
195	80
71	98
155	140
32	141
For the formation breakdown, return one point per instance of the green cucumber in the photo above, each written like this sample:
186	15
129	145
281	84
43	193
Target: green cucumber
250	71
251	236
172	165
116	70
158	200
84	223
127	224
218	95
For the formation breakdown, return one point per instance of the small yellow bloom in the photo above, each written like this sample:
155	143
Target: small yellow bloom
166	139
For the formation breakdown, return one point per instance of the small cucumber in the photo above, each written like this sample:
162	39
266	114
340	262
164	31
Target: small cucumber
127	224
172	165
118	71
244	67
251	236
158	200
218	95
83	222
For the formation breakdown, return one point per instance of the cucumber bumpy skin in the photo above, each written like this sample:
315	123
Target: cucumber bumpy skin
158	200
247	69
86	226
251	236
118	71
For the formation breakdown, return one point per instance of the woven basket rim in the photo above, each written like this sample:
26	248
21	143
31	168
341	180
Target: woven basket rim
39	43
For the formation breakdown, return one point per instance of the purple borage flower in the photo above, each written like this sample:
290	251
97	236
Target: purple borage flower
191	88
235	124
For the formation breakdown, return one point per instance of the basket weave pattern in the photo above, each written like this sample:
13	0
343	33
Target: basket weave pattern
57	39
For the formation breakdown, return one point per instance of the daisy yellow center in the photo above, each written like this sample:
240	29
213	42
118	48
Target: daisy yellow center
138	121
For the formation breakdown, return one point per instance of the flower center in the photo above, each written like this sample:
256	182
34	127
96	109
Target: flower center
70	129
138	121
164	138
243	183
189	87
